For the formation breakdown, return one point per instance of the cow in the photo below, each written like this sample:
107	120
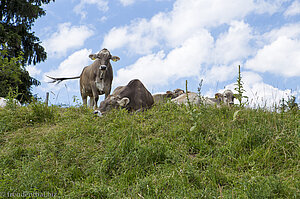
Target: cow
161	97
95	79
3	102
226	98
193	98
133	97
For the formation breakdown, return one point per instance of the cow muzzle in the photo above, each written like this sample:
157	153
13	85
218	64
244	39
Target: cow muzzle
102	67
98	113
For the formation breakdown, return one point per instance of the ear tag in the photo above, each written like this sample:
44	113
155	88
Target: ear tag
93	58
115	58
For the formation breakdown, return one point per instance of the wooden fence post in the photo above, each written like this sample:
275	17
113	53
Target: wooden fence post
47	98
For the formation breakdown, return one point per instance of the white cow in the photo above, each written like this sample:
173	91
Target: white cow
162	97
226	98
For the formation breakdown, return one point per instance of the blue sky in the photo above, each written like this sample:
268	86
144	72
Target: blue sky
165	42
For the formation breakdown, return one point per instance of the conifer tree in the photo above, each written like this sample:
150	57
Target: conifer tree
17	39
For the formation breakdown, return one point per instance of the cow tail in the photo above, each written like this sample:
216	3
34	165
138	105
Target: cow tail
60	79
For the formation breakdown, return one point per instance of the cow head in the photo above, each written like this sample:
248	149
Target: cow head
112	102
219	97
228	97
178	92
174	94
104	57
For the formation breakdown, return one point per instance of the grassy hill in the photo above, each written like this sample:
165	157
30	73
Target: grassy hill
169	151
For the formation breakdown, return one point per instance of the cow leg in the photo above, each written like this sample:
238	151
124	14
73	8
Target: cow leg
91	104
107	92
84	99
96	98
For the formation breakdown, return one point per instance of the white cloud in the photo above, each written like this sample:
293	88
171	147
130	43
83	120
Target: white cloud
33	71
259	93
71	67
130	2
67	37
186	18
220	73
102	5
234	44
194	58
293	9
127	2
160	69
139	38
290	30
281	57
268	6
103	19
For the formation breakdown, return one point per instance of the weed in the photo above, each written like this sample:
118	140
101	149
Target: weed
240	89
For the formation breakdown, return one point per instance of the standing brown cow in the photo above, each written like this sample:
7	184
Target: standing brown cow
95	79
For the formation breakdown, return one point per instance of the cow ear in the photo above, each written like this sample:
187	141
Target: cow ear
218	95
92	56
115	58
124	101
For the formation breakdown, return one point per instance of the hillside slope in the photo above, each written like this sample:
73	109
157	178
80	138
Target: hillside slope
169	151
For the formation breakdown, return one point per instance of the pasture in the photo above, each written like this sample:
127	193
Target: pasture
169	151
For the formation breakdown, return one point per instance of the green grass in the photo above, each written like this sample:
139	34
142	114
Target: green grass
168	151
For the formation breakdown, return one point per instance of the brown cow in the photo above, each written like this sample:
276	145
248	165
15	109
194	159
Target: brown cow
133	97
96	78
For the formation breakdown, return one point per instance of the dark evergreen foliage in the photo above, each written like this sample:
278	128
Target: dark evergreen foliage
17	39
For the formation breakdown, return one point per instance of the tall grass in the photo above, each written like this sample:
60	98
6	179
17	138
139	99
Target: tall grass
168	151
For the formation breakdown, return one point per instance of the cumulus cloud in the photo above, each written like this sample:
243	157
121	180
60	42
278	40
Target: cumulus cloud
67	37
139	38
259	93
234	44
186	18
33	71
193	58
280	57
190	50
161	68
220	73
102	5
293	9
127	2
290	31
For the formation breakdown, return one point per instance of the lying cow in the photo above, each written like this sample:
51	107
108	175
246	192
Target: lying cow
96	78
193	98
3	102
161	97
227	98
133	97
